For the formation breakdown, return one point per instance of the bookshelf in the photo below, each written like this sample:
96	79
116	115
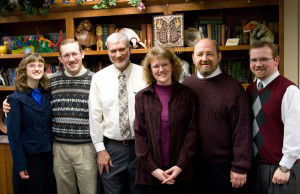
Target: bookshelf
66	18
133	51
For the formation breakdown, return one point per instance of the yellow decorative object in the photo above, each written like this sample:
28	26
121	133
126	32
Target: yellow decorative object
3	48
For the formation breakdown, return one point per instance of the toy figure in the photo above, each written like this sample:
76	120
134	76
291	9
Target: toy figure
133	37
259	32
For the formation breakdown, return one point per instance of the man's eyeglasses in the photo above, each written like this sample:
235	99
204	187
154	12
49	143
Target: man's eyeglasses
68	55
261	60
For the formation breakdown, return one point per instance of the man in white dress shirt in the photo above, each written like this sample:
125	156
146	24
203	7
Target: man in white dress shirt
276	124
111	109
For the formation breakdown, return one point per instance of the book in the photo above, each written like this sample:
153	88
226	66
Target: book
105	34
149	35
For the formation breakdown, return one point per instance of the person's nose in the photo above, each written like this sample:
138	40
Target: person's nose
71	58
258	63
160	68
118	54
205	57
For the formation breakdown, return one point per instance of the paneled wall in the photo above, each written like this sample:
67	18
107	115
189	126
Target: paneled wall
292	40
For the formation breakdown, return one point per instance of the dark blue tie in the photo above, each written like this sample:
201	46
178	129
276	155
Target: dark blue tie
37	96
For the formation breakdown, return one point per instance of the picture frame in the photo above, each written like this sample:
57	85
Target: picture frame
168	30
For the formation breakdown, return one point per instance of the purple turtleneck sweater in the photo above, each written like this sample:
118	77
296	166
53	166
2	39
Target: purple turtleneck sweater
164	94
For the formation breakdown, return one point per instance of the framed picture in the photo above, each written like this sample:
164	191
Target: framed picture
168	30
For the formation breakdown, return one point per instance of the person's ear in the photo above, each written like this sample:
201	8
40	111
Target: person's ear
219	57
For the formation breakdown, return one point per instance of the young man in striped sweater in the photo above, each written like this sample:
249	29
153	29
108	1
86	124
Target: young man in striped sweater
276	132
75	161
74	154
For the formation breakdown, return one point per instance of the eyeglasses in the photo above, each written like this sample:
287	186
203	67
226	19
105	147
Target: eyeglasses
157	66
68	55
121	51
33	66
261	60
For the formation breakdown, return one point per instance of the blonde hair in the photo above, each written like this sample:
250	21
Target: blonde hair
68	41
163	53
21	75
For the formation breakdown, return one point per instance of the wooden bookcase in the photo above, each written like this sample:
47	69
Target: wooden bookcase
67	17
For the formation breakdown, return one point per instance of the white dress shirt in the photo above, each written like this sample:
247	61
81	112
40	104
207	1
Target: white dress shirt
104	103
290	115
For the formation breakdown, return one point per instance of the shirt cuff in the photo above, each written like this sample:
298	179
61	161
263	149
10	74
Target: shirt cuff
287	161
99	146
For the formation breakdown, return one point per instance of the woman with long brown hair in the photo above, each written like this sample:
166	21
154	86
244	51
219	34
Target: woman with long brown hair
29	129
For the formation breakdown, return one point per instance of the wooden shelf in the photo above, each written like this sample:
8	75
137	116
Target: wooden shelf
7	88
176	50
133	51
16	56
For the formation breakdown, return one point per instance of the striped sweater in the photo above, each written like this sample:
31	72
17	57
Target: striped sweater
70	108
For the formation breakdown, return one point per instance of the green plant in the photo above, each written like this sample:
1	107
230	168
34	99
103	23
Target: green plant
32	7
6	6
134	3
79	2
105	4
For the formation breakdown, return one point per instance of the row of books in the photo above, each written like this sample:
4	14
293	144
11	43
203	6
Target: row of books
217	30
145	34
7	77
53	68
238	69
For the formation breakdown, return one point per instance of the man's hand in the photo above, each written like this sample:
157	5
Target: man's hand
104	160
6	106
280	177
24	174
159	174
171	174
237	180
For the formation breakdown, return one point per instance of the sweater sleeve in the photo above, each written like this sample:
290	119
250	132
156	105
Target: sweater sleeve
188	148
242	134
142	148
14	134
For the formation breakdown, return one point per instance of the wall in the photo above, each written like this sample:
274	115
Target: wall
292	40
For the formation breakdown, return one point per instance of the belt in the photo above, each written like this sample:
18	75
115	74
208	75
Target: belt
123	142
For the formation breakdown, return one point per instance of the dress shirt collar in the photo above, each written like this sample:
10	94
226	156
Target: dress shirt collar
214	74
268	80
81	72
126	72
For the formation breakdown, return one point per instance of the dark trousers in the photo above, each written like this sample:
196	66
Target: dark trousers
214	179
41	178
261	180
121	177
177	188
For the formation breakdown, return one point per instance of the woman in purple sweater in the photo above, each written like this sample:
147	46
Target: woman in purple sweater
165	127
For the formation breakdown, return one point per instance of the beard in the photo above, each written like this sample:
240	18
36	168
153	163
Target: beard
206	71
123	64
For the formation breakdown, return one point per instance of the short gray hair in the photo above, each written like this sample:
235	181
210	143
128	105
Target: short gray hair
116	37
